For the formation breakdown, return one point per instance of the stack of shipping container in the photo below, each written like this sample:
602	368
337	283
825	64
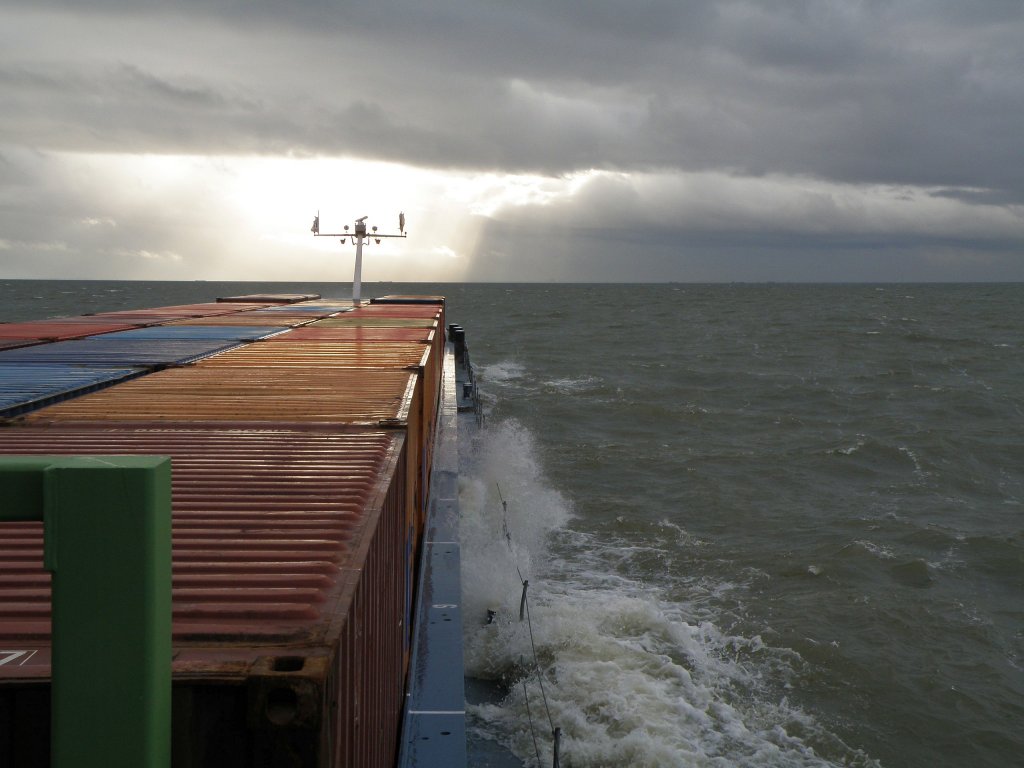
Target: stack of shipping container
301	436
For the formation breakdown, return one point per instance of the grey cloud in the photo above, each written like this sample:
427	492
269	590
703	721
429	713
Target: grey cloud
716	228
896	92
507	254
920	94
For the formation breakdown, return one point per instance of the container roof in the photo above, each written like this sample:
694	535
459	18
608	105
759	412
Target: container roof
267	525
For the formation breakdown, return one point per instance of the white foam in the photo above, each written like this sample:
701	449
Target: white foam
631	678
569	386
850	449
503	371
878	550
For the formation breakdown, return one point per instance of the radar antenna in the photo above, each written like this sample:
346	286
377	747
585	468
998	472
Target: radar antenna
358	235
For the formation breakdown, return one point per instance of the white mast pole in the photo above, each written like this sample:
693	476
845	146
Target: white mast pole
357	276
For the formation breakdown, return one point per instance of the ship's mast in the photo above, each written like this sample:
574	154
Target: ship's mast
358	235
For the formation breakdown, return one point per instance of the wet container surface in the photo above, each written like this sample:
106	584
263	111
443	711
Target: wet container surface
290	626
205	309
205	332
279	319
405	299
269	298
265	523
358	333
324	354
351	319
14	343
113	351
25	387
322	308
266	395
300	474
64	328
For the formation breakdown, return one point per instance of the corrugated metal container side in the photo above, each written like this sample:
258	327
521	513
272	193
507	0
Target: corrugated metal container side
396	298
290	628
350	320
325	354
279	319
324	358
358	333
145	317
26	387
261	395
401	310
435	311
356	353
301	474
269	298
113	351
205	309
372	316
225	332
323	308
15	343
60	330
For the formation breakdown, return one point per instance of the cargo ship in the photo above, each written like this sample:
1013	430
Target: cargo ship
315	595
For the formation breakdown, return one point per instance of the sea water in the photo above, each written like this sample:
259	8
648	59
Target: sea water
762	525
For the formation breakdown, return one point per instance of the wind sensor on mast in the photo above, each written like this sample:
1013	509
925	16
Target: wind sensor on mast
358	235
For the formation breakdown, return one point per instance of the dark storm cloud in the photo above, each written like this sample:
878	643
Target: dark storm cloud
860	98
897	92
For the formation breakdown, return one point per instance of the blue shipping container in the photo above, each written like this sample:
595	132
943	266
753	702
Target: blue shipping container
114	352
207	332
26	387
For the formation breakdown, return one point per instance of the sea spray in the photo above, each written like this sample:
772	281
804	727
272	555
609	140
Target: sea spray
502	542
629	676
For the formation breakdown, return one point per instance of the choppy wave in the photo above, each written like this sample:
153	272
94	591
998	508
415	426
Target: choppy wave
831	469
631	676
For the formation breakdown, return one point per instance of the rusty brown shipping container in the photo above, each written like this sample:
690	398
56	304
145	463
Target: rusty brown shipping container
350	320
421	360
301	353
62	329
336	329
270	298
398	310
290	623
249	395
295	352
360	333
206	309
301	468
197	393
282	319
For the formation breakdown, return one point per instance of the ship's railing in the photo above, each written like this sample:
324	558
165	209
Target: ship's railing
107	541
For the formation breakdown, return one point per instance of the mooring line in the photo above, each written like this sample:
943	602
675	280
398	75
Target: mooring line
524	608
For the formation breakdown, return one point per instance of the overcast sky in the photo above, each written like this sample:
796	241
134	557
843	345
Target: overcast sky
542	140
